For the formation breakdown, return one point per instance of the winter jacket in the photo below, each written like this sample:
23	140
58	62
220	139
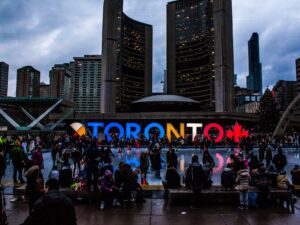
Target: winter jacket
228	178
37	158
282	181
262	180
172	178
17	156
106	184
34	182
195	176
243	180
53	208
279	161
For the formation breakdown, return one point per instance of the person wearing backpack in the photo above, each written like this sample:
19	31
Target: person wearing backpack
262	182
194	179
228	177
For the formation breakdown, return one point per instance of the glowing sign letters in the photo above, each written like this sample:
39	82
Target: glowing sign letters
134	130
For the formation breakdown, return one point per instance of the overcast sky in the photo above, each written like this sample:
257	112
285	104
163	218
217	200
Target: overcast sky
42	33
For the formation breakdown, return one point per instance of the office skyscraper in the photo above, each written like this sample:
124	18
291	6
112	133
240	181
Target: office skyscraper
87	82
126	59
3	79
60	81
298	74
200	52
254	80
28	82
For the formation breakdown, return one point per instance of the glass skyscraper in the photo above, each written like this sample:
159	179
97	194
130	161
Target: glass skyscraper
298	74
3	79
254	80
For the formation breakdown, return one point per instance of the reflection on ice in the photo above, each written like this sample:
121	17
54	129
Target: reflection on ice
221	157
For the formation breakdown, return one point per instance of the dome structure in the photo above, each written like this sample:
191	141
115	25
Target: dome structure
164	103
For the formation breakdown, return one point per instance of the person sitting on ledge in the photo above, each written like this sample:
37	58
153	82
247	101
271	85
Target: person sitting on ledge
262	182
228	177
172	179
195	179
296	175
283	182
109	192
52	208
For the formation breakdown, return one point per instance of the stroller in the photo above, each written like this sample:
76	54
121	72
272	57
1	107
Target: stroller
3	217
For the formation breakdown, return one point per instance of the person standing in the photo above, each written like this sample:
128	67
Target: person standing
194	179
91	157
17	157
171	158
269	155
156	161
279	160
2	165
144	165
243	180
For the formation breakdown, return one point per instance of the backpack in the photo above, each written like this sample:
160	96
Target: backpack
197	177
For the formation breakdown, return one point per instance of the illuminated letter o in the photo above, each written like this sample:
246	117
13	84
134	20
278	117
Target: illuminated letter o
111	125
216	126
152	125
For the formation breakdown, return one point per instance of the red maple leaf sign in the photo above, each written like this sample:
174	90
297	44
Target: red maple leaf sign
237	133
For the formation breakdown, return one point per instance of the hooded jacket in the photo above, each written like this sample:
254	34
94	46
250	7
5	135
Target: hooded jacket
243	180
54	208
282	181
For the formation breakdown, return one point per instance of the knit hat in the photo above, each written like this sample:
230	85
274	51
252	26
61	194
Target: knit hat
108	173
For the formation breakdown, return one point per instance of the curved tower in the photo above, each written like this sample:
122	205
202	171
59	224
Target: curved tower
126	59
200	52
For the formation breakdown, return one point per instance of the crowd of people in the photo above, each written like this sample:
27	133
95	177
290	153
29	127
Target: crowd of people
88	162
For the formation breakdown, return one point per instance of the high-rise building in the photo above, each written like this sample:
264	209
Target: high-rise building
165	82
254	80
298	74
28	82
60	81
126	59
200	52
44	90
87	83
235	80
3	79
284	93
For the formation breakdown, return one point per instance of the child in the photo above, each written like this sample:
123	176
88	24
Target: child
109	192
243	180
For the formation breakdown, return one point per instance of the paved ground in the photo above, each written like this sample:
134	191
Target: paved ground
158	212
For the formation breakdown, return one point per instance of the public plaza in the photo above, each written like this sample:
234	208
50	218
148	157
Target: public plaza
156	209
173	112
